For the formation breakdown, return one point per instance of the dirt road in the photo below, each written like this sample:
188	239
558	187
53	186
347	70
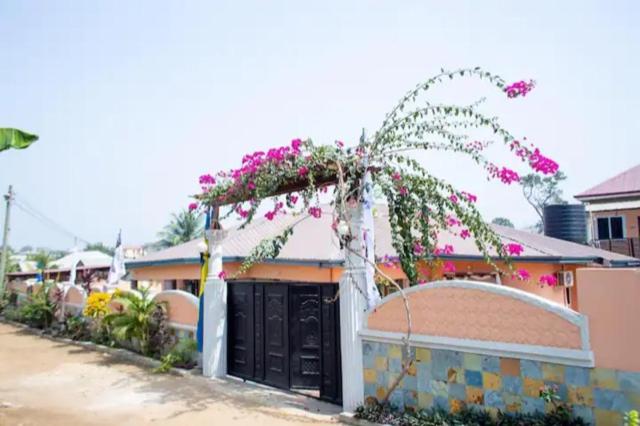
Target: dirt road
44	382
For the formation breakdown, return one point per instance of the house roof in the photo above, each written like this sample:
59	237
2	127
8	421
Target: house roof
624	184
313	243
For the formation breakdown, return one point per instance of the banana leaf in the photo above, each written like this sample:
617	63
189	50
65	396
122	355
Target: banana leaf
14	138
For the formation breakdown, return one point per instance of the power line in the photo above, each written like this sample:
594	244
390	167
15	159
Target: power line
27	208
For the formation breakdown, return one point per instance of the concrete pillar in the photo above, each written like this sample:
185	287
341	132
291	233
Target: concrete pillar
214	348
353	305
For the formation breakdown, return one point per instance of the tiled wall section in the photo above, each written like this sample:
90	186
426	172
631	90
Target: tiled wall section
452	380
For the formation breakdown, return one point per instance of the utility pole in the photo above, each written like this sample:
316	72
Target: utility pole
5	239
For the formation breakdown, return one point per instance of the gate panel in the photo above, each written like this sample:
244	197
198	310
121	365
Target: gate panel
240	341
258	297
276	334
305	336
331	382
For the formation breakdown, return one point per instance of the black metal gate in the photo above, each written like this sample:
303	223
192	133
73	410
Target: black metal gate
285	335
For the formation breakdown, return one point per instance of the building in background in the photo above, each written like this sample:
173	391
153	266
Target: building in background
313	255
613	207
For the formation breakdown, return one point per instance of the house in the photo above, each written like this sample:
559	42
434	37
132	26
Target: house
91	267
613	207
313	255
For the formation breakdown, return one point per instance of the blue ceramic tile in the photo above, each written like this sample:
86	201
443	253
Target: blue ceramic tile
395	365
530	369
511	384
397	399
612	400
439	388
491	364
369	360
457	391
410	399
577	376
531	405
424	373
370	389
382	377
586	413
629	381
367	348
381	349
473	378
441	402
494	399
410	383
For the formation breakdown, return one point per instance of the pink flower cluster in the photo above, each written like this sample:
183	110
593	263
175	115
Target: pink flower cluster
506	176
522	274
193	206
514	249
542	164
449	267
270	215
470	197
447	249
519	88
453	221
418	249
537	161
315	212
464	234
548	279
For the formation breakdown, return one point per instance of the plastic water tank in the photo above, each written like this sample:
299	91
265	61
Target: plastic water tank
566	222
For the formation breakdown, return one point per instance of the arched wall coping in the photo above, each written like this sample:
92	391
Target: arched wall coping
530	298
463	337
190	297
77	288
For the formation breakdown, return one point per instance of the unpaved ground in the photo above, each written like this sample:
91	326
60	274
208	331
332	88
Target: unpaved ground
44	382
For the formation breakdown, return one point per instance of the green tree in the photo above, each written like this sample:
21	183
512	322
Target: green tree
184	226
137	320
12	265
502	221
44	259
542	191
100	247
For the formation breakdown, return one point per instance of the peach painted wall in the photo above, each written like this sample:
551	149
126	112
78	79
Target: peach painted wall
610	298
475	313
266	271
75	295
182	307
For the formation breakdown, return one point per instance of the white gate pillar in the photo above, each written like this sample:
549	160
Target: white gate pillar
355	286
214	346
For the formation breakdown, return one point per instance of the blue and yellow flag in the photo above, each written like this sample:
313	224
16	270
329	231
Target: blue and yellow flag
204	271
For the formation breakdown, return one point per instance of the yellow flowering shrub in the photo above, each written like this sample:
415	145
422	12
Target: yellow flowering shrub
97	305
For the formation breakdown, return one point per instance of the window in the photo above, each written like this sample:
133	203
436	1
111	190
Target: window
610	228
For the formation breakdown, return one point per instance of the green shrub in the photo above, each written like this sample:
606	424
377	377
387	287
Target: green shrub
39	311
182	355
387	414
76	328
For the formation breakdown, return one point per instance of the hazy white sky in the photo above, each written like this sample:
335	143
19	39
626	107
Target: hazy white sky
134	100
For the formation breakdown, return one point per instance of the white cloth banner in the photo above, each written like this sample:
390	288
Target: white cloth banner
117	269
373	295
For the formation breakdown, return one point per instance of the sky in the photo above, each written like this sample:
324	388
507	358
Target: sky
134	100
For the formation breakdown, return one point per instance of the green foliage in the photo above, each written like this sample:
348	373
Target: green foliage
632	418
184	226
44	259
39	310
101	248
386	414
138	321
14	138
502	221
541	191
181	355
76	328
12	265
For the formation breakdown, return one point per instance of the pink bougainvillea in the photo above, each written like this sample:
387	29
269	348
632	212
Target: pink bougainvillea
418	249
315	212
542	164
193	206
519	88
449	267
222	275
470	197
207	180
464	234
548	279
522	274
514	249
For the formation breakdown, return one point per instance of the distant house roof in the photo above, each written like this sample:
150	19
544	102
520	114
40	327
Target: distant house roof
625	184
313	243
88	260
